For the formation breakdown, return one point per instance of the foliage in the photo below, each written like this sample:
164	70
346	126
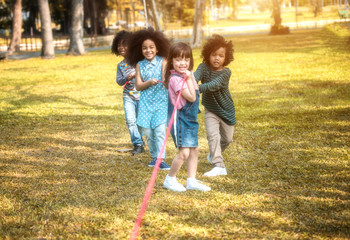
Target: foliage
5	14
62	122
187	17
264	5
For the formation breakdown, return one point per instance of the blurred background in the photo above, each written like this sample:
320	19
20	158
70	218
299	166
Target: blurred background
103	18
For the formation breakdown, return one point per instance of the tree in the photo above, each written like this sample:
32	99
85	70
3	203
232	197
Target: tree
197	34
155	15
6	8
76	45
277	28
31	7
94	16
47	50
235	9
316	6
16	27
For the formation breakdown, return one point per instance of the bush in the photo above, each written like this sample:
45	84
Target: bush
279	29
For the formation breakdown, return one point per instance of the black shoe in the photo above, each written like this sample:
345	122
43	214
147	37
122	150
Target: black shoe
138	149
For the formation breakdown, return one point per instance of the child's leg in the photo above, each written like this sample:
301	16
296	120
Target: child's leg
158	138
226	132
192	183
148	132
178	161
212	125
192	163
130	107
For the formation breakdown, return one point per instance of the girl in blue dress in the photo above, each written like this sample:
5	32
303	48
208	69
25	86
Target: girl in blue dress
148	52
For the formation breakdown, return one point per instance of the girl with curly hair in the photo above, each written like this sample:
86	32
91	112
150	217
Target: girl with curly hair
126	78
219	114
148	52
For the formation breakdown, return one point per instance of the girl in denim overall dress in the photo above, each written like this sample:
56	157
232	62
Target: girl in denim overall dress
179	78
148	52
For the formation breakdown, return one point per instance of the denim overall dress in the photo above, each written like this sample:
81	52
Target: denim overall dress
184	129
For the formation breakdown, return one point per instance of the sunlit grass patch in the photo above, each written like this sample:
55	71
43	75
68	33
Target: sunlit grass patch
62	122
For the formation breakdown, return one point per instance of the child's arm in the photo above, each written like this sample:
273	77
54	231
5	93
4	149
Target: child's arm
139	84
189	93
121	79
220	82
163	69
199	72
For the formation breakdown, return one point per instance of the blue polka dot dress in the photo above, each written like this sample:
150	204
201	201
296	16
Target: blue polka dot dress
153	104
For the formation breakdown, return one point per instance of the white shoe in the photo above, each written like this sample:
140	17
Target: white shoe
172	184
216	171
194	184
209	158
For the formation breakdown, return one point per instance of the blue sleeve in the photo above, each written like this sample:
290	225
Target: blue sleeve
121	79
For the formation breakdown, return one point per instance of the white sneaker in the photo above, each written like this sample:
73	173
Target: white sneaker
216	171
194	184
172	184
209	158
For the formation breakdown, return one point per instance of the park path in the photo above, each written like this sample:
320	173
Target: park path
59	51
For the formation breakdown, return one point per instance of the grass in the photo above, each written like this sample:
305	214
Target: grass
62	123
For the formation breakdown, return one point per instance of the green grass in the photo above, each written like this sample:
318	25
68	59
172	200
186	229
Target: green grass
62	123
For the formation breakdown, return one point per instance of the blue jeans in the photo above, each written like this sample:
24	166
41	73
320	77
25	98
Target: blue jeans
155	138
130	110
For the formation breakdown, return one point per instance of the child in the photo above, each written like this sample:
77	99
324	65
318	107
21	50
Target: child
216	98
185	125
149	50
126	78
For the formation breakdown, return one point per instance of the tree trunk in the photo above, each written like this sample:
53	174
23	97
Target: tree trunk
235	12
197	34
47	50
276	12
76	45
155	14
16	28
30	26
94	18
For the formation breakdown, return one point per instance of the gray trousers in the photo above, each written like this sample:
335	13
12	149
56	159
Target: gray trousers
219	136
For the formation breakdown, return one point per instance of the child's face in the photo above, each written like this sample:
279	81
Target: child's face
122	48
217	59
149	49
181	64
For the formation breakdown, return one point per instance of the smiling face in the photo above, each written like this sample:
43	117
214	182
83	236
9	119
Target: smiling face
217	59
122	48
181	64
149	49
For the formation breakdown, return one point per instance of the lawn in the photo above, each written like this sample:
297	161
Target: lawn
62	124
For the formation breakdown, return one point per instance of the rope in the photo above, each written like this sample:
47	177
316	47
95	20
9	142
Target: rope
150	186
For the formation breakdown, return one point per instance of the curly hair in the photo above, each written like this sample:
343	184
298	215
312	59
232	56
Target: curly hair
120	38
134	55
213	44
178	49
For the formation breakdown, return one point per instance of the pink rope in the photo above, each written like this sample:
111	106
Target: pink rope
150	186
